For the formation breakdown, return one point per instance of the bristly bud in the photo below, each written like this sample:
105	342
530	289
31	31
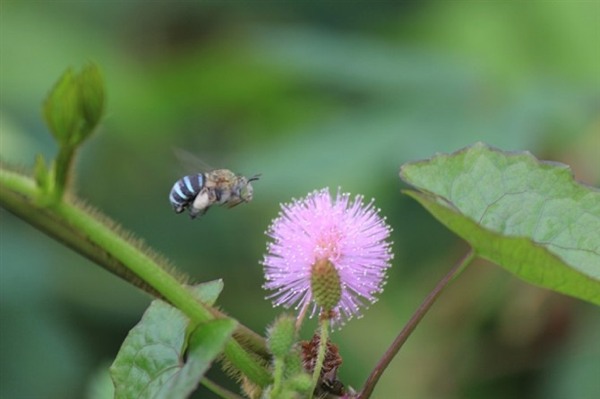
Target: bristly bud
325	285
301	383
75	105
282	336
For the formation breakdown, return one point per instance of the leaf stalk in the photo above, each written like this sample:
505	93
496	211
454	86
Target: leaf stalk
412	323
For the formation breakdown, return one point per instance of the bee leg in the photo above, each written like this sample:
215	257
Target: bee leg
233	203
201	203
194	213
214	195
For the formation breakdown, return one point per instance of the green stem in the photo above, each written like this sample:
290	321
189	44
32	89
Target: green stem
219	390
412	324
278	369
323	338
94	236
62	171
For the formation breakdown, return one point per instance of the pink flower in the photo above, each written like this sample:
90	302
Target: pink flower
347	234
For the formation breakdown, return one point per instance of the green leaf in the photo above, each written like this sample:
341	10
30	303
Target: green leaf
100	385
208	292
150	363
530	217
205	344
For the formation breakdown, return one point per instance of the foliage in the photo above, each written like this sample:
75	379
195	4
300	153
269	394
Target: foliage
311	95
527	216
162	357
511	208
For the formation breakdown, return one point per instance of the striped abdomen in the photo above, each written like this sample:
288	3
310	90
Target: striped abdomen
185	190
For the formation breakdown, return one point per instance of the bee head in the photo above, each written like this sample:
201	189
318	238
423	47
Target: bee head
246	190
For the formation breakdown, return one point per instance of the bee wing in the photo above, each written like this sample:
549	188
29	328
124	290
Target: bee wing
191	162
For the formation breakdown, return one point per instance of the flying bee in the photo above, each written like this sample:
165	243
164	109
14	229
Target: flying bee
199	192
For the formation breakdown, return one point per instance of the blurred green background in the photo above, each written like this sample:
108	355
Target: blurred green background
309	94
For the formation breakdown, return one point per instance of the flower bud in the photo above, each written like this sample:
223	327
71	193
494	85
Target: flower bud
75	105
91	87
325	284
282	336
61	108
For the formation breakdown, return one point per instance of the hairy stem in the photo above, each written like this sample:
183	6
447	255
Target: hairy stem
278	370
62	171
219	390
94	236
323	338
412	324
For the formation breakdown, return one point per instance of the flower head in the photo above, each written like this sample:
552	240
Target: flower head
342	240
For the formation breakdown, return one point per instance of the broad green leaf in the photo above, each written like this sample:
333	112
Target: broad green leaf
150	363
100	385
205	344
530	217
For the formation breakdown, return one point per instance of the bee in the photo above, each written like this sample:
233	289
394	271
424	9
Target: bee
199	192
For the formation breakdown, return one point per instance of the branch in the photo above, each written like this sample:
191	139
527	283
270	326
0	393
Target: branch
97	238
412	324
